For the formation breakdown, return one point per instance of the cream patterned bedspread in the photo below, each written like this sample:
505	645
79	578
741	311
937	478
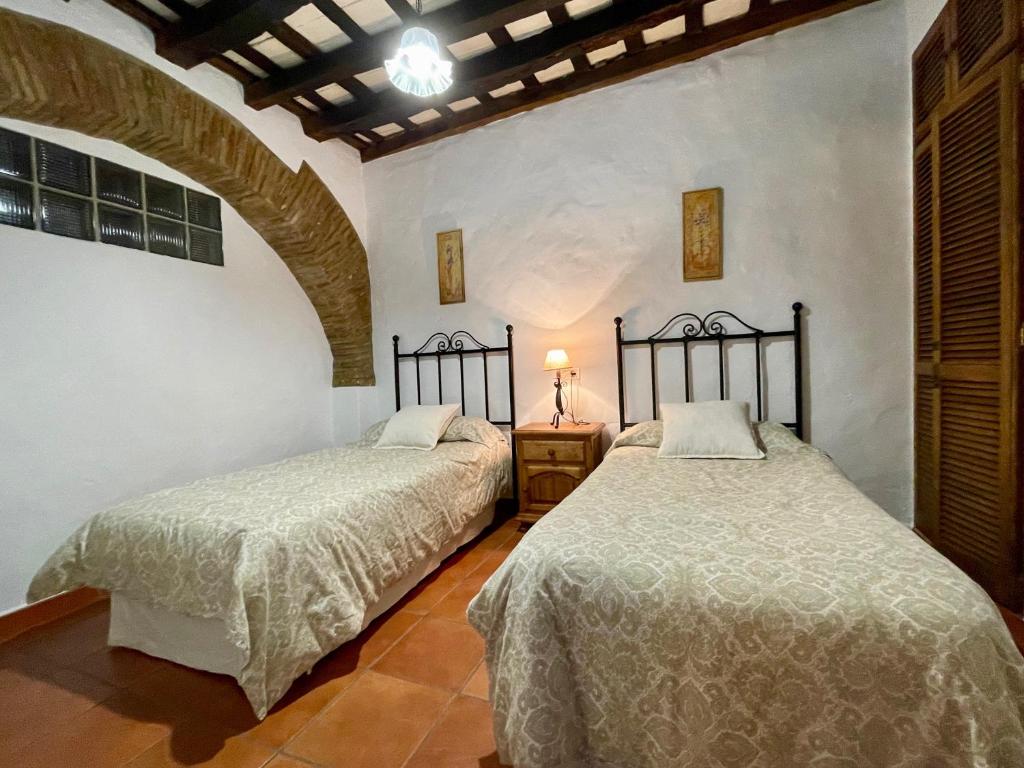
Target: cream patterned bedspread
288	555
742	613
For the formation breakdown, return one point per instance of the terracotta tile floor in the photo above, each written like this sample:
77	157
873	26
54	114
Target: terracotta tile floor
410	691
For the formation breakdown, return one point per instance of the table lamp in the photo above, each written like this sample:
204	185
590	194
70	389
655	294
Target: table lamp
557	360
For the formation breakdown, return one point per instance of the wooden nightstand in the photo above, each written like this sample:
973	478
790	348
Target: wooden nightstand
551	463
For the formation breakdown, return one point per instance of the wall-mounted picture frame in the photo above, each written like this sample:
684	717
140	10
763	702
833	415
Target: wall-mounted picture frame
451	280
702	234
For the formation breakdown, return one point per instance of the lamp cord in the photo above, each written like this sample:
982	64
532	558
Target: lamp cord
574	401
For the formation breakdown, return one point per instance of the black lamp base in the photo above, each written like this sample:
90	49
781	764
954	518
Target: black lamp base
559	407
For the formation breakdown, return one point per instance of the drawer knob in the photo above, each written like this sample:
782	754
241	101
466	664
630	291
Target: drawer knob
551	452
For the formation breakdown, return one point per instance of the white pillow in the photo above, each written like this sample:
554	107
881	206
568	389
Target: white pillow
717	429
417	426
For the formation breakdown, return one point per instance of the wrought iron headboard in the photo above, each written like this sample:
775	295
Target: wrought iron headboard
454	345
711	329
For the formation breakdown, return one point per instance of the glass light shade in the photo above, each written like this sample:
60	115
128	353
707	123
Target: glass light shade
556	360
417	67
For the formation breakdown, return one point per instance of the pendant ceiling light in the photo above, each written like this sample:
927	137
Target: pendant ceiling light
418	67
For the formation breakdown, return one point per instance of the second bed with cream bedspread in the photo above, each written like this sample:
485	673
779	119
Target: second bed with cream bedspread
742	613
288	555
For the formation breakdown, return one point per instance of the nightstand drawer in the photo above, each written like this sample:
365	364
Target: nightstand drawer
553	450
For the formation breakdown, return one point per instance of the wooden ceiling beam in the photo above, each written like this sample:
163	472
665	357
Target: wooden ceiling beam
219	26
505	64
559	15
403	10
341	19
229	67
180	7
451	23
762	20
258	59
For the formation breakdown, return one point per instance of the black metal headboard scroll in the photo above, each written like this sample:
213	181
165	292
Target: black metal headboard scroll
460	344
711	329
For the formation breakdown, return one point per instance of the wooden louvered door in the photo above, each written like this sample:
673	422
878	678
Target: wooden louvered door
983	32
926	392
967	260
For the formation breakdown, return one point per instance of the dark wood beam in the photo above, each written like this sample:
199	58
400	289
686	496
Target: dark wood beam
455	22
293	40
559	15
760	22
500	37
635	43
237	71
581	63
505	64
341	19
219	26
695	18
258	59
357	88
181	8
403	10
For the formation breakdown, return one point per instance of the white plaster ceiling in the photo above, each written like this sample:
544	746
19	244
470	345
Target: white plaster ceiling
720	10
555	71
577	8
665	31
462	104
372	15
310	22
335	94
530	26
425	116
505	90
474	46
275	50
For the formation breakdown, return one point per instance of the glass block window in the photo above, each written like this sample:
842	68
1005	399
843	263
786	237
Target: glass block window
16	204
117	184
58	190
165	199
205	246
168	238
121	227
65	215
15	155
63	168
203	210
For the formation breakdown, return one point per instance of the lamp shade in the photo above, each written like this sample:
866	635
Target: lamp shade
418	67
556	360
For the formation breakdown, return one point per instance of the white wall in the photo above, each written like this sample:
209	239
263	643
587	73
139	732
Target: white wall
920	15
571	215
122	371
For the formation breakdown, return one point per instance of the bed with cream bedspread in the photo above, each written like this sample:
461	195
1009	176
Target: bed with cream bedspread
742	613
288	555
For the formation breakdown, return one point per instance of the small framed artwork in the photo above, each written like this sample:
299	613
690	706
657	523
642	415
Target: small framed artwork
702	234
450	277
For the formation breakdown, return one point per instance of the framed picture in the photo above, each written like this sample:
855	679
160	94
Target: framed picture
702	234
450	277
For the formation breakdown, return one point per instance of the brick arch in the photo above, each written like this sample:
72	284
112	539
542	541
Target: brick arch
54	75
